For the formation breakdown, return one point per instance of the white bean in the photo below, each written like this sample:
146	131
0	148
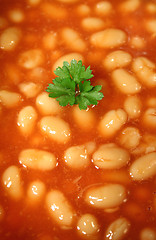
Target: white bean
72	39
47	105
31	58
108	38
151	102
103	8
149	118
37	75
142	62
129	6
30	89
9	38
34	2
13	73
118	229
151	8
10	99
88	226
92	24
130	138
55	128
76	157
110	157
36	191
37	159
117	59
143	167
60	209
85	119
12	182
54	12
111	122
125	81
148	234
16	15
146	145
50	41
149	141
26	120
132	106
144	70
137	42
90	147
111	210
68	58
151	25
83	10
105	196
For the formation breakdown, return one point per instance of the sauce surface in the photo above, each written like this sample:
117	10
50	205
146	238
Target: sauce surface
33	36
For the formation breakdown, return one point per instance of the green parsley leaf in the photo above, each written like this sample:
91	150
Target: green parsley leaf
63	91
89	96
71	86
82	101
85	86
77	71
64	100
63	73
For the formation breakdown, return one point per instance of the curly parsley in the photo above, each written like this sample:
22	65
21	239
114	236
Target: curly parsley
73	87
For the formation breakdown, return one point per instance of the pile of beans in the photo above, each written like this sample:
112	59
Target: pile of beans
67	173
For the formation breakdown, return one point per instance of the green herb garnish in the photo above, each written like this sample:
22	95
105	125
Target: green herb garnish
73	87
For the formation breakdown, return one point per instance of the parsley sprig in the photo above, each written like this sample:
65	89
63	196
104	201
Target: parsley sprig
73	87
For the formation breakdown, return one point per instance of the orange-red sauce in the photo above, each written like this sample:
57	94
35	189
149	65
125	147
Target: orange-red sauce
23	221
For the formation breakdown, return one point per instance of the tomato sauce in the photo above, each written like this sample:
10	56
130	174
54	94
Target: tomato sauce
22	219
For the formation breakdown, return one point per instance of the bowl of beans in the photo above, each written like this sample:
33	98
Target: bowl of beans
68	171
